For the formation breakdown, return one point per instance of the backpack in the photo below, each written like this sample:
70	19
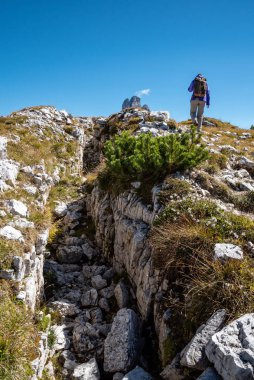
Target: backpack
200	86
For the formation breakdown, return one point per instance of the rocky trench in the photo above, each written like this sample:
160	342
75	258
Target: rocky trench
100	319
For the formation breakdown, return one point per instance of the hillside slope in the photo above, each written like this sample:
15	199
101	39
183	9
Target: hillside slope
109	260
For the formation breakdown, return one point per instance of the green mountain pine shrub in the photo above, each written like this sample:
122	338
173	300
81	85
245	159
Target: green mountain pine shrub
144	156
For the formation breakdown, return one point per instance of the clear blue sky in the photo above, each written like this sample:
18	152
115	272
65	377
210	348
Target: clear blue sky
88	55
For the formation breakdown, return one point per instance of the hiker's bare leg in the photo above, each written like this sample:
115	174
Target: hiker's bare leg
201	107
193	111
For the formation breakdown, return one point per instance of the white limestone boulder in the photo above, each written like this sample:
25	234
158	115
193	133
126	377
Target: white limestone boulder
246	163
87	371
11	233
225	251
17	207
61	210
9	171
231	350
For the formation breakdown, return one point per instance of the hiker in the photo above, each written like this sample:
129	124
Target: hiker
199	99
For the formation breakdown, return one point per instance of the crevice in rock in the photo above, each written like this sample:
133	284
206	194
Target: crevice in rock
81	294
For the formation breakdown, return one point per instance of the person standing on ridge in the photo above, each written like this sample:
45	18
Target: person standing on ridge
200	98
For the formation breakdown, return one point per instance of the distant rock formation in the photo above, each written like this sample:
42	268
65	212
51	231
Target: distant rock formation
134	102
126	104
146	107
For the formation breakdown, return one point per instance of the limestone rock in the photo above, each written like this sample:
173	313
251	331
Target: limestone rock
98	282
227	251
104	305
122	345
86	338
209	374
118	376
22	223
19	267
193	355
7	274
137	374
173	371
67	360
89	252
160	115
41	242
61	209
246	163
69	254
32	190
10	233
62	341
64	308
87	371
3	148
90	298
122	295
17	207
9	171
231	350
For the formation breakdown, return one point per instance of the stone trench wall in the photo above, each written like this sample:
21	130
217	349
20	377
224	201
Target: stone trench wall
27	270
122	224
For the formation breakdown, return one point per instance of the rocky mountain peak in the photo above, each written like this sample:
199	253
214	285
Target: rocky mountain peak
133	102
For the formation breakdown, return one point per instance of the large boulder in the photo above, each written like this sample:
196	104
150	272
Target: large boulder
87	371
193	355
231	350
122	345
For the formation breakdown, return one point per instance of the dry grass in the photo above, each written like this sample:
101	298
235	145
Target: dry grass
183	243
198	284
18	338
8	249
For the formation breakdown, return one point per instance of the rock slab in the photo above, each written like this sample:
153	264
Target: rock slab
122	345
193	355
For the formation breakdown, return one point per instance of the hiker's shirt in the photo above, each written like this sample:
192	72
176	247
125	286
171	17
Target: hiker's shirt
205	98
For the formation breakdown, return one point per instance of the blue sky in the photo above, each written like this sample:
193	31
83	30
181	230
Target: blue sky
88	55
